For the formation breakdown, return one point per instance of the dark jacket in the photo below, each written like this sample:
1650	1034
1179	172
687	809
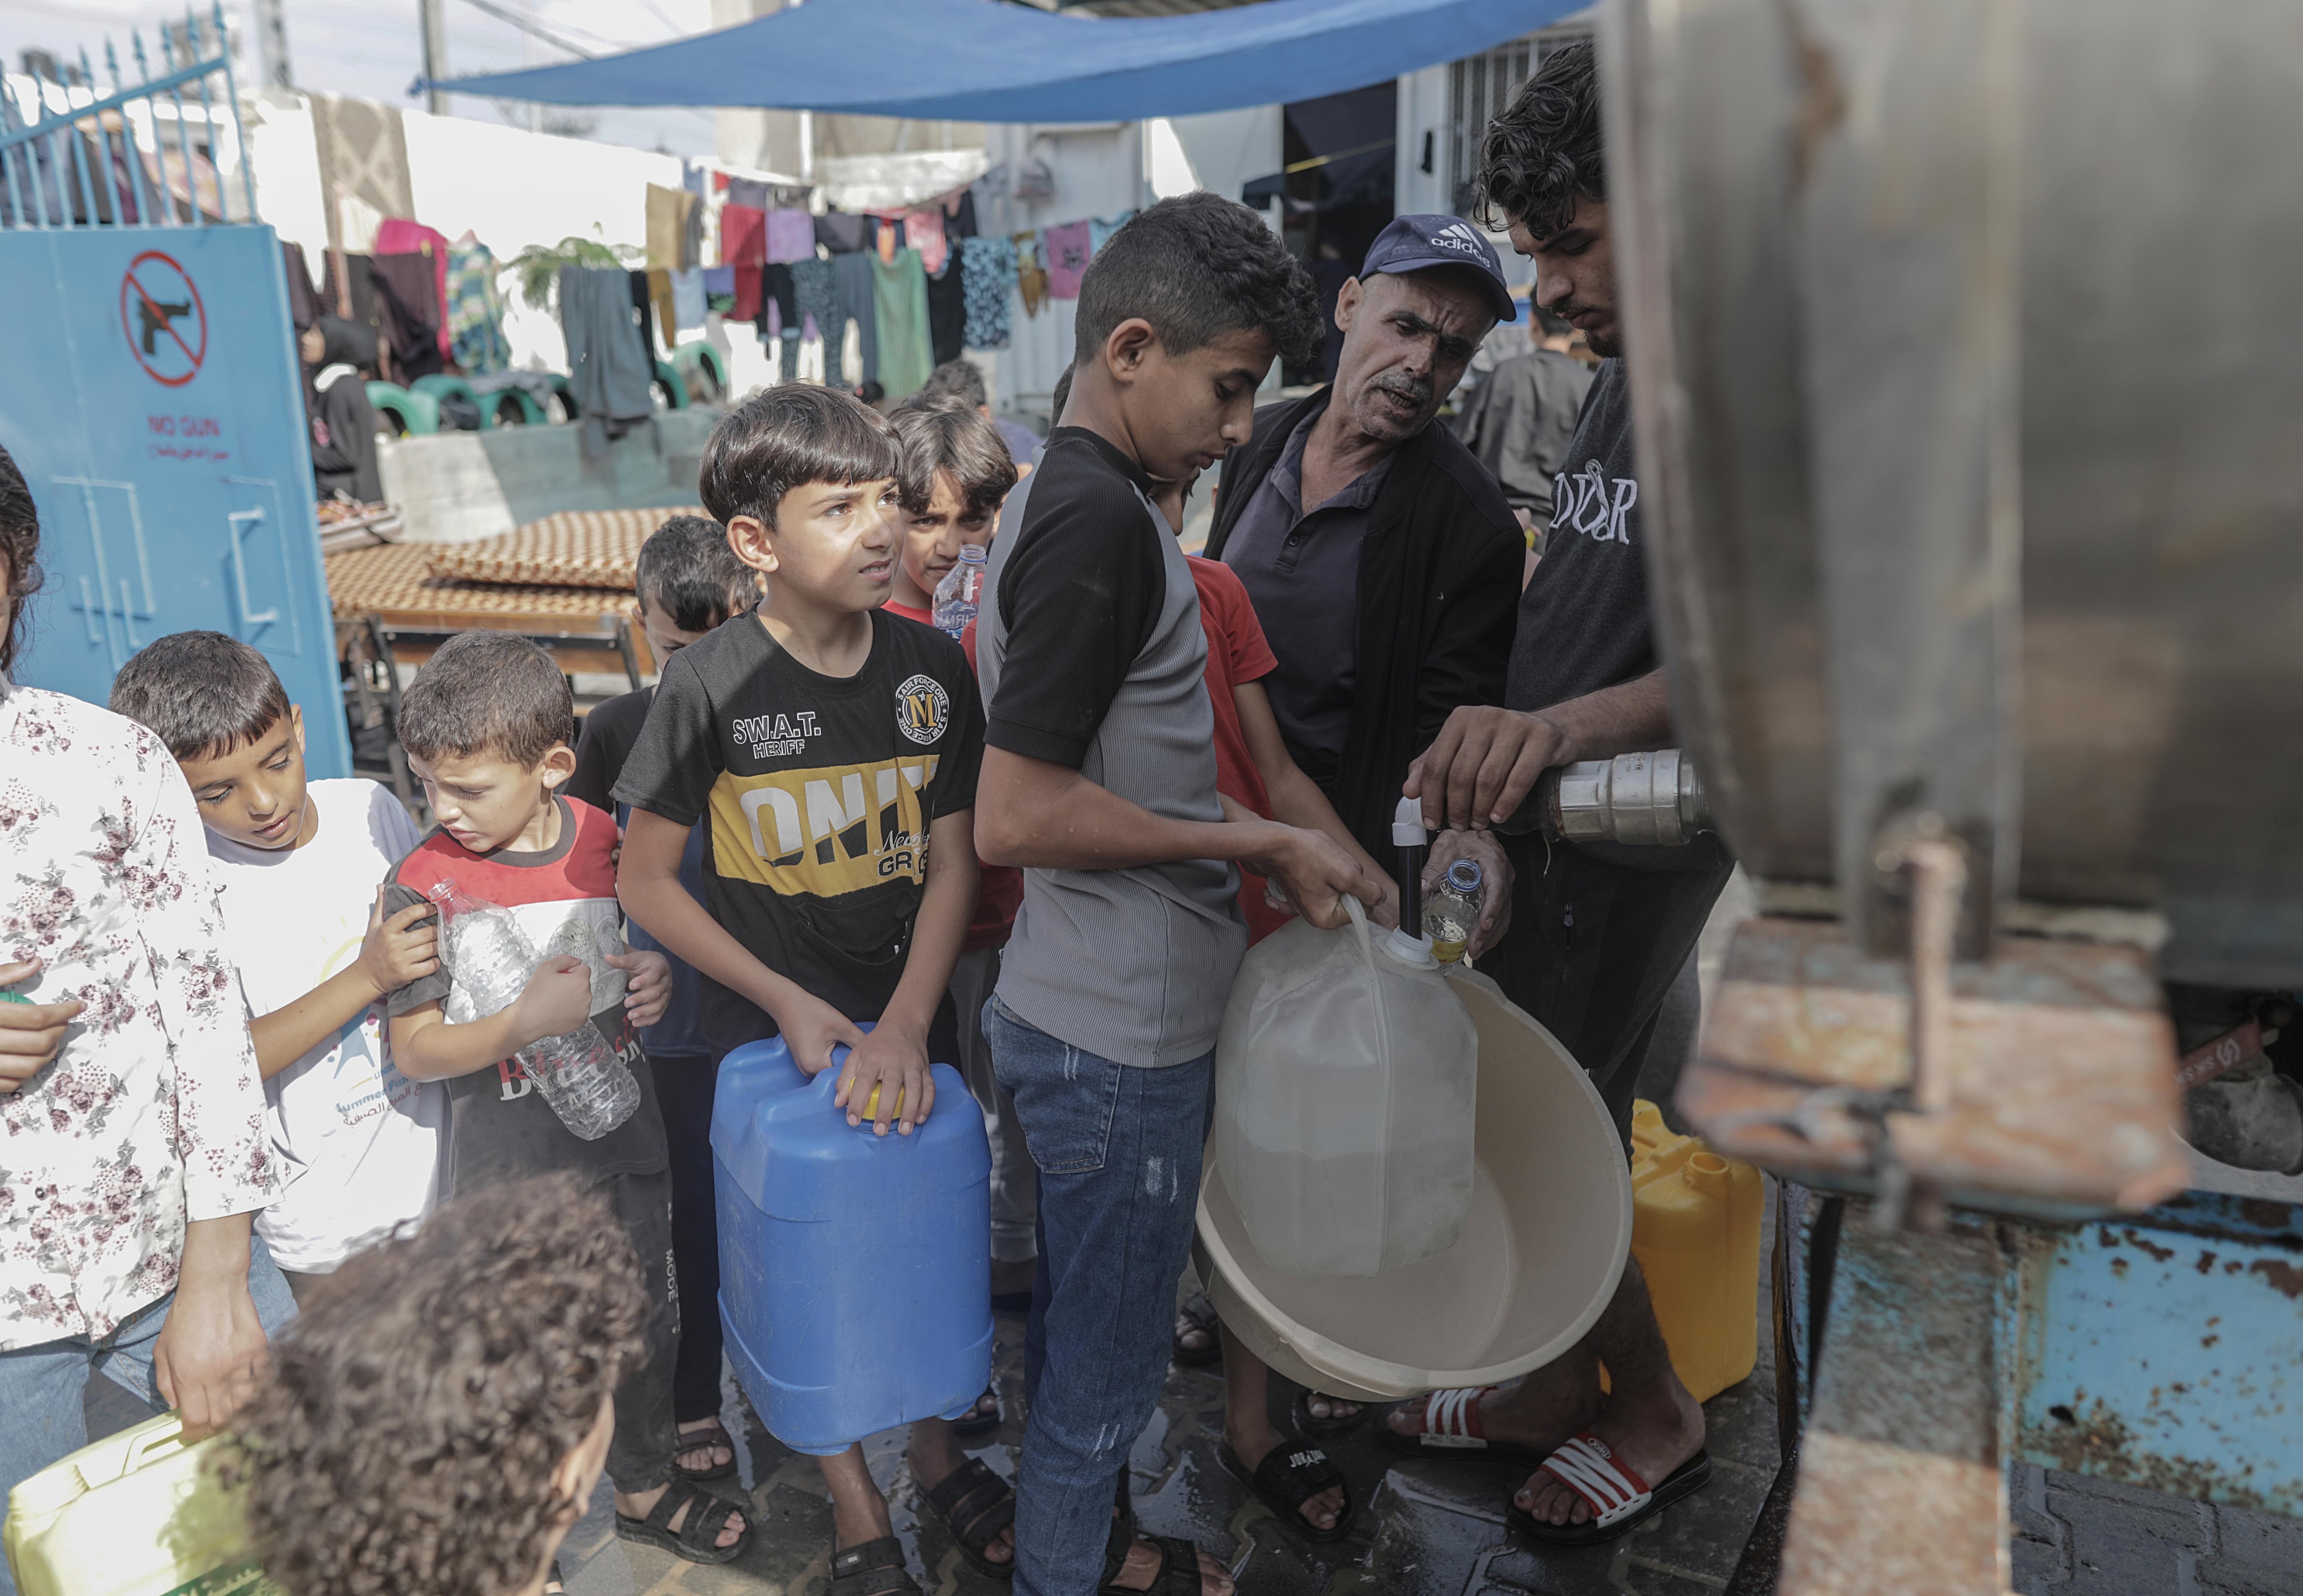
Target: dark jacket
1438	590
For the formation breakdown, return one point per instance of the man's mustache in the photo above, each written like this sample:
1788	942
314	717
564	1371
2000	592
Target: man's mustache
1408	388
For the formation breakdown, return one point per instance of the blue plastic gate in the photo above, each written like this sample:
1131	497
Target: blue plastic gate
152	398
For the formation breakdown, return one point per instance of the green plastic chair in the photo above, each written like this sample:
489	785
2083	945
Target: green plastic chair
439	385
410	414
690	358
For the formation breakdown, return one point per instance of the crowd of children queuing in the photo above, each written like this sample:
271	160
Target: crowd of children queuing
1051	886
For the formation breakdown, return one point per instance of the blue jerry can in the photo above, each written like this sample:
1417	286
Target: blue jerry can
854	1270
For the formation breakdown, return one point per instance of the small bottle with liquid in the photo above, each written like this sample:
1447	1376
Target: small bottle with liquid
1451	909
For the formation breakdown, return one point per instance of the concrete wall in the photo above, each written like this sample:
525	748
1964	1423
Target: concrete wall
454	487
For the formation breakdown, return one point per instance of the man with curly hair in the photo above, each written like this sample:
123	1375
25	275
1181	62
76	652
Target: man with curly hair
1598	931
440	1413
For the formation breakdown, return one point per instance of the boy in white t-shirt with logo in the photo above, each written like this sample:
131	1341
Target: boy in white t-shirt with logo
299	865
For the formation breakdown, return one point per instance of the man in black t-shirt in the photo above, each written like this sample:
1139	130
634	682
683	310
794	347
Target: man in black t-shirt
1598	931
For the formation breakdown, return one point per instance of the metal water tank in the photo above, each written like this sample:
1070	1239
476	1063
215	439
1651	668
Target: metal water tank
1968	358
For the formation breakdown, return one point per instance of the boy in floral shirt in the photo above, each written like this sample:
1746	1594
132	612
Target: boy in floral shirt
130	1107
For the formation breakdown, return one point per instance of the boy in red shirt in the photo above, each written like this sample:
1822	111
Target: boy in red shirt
953	469
488	727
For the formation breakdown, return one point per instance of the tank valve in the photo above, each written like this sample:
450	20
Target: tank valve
1656	799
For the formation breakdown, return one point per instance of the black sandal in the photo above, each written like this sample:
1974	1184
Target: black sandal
1200	1315
978	1422
1178	1574
976	1505
714	1439
1307	1422
697	1541
1290	1475
869	1569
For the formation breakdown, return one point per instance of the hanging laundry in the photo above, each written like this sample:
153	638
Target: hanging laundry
407	290
720	290
608	375
779	305
924	232
667	319
890	236
960	214
948	310
643	293
899	294
749	193
842	233
791	236
476	336
687	302
348	289
988	272
854	275
1030	273
815	293
1100	231
743	236
397	235
1069	248
668	211
300	309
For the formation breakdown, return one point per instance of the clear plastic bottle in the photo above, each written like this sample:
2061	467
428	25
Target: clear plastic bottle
491	958
961	591
1451	910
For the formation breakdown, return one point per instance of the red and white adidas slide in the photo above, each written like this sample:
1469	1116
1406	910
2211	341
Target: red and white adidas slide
1617	1497
1452	1430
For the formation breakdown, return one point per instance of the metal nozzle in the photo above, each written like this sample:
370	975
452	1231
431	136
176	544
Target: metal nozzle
1655	800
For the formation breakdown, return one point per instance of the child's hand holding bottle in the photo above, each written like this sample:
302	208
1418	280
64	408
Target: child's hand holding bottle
556	1000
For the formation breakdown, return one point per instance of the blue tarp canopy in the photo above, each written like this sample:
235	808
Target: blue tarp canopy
983	61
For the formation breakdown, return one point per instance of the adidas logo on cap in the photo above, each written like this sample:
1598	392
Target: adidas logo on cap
1458	236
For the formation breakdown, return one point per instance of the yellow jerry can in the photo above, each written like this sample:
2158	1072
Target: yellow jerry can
1695	1231
134	1514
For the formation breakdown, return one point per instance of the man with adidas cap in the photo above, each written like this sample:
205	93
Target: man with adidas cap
1601	931
1383	560
1384	565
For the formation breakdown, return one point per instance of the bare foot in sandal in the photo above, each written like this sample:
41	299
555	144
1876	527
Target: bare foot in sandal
706	1451
1147	1565
1249	1432
981	1499
639	1505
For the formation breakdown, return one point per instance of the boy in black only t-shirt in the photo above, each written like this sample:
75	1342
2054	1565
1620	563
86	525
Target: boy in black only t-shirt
832	749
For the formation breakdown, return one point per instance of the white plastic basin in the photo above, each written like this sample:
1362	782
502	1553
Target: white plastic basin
1550	1228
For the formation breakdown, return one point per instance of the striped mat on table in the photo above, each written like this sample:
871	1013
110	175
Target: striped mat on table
576	548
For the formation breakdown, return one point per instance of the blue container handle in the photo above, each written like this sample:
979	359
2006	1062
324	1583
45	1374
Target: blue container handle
827	1082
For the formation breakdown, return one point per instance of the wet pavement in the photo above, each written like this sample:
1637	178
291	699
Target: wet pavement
1424	1529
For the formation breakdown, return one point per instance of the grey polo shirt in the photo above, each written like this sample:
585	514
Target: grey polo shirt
1302	571
1092	657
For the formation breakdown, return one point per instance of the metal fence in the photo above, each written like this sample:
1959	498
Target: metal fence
166	152
1478	87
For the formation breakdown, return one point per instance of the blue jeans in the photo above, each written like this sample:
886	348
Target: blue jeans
40	1387
1118	1151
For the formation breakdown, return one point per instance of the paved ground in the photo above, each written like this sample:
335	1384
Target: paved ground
2080	1537
1428	1530
1433	1531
